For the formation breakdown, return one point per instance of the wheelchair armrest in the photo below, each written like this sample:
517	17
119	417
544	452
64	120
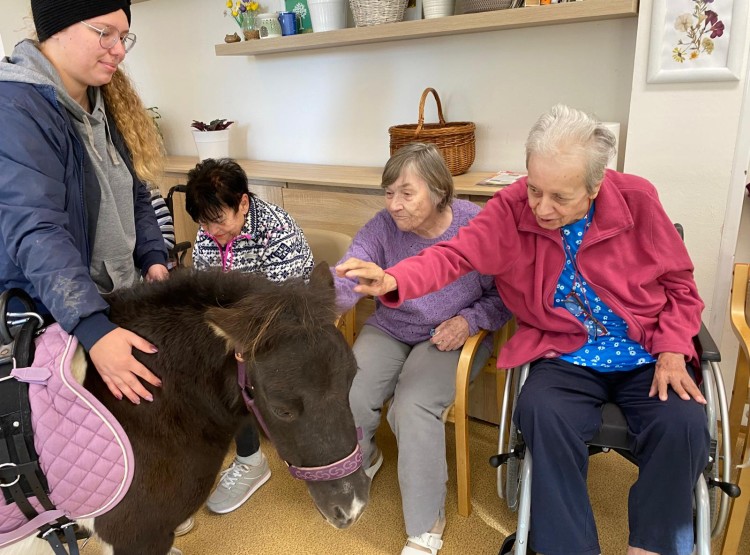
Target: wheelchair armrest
706	347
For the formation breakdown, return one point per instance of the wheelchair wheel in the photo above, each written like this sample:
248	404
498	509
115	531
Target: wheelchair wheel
512	472
714	495
508	544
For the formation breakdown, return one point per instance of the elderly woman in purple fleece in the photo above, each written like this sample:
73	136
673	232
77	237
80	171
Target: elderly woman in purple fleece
411	353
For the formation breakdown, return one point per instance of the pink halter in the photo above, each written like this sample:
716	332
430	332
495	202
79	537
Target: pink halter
339	469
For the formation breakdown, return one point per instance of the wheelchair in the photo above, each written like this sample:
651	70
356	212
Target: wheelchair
712	490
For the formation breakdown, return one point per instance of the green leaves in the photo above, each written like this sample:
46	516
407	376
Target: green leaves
214	125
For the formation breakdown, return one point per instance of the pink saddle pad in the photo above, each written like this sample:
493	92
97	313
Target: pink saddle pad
82	449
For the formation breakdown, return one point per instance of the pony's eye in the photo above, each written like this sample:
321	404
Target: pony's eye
283	413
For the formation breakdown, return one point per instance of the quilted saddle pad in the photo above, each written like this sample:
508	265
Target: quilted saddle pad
83	451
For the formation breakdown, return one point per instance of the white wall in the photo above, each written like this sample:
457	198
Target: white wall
682	137
335	105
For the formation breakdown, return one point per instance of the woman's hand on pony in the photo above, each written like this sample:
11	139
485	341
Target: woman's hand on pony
157	272
113	357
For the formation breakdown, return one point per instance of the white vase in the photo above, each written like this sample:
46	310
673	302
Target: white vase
327	15
212	144
438	8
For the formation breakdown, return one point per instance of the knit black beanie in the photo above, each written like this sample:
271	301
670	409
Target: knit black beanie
52	16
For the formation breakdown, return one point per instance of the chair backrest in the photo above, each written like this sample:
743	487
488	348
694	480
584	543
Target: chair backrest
327	246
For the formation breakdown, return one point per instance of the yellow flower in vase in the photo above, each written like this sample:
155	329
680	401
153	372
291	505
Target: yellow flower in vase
244	14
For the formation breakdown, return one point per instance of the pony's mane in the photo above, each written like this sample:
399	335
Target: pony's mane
291	309
261	312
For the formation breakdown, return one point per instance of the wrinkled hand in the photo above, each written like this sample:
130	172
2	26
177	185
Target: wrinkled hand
451	334
113	357
671	371
372	279
157	272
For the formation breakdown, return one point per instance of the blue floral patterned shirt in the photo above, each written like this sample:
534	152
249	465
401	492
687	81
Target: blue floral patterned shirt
610	352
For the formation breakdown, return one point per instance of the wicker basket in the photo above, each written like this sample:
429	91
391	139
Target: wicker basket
455	140
375	12
476	6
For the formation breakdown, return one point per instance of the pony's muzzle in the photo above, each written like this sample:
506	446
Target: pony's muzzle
341	502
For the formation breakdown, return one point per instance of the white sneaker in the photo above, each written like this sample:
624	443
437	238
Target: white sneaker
238	483
175	551
185	527
428	542
375	464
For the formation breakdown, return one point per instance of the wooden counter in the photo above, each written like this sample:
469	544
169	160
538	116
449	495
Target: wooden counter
340	198
280	174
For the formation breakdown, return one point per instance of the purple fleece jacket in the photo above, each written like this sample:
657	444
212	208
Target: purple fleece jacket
473	296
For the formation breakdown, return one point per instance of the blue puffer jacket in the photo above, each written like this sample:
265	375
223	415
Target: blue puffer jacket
43	222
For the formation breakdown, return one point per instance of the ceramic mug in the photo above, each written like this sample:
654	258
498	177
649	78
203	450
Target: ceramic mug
268	25
289	25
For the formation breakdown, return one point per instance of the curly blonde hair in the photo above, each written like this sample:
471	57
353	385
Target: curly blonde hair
136	127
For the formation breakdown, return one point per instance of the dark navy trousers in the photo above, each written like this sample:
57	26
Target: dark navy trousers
559	409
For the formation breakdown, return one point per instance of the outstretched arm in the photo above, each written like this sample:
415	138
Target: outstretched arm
372	279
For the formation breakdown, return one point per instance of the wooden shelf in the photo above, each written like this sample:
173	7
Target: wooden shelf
555	14
282	174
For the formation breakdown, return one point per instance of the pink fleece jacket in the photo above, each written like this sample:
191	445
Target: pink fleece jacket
632	257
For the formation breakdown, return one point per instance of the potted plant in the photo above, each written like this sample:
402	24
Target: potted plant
211	139
244	13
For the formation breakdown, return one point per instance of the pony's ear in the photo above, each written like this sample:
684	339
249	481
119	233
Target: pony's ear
321	275
222	321
243	325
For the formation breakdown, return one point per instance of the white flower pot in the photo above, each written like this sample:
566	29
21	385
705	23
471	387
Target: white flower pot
327	15
212	144
438	8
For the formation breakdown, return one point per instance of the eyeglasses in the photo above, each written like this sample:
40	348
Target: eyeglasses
576	306
108	37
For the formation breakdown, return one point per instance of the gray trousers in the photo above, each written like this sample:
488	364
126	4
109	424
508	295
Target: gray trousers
422	382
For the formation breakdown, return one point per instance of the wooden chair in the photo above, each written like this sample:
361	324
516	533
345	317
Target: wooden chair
329	247
740	318
458	412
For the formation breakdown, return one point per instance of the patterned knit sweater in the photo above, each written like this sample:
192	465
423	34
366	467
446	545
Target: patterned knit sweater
270	243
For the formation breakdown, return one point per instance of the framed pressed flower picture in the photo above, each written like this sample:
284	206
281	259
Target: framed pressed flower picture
696	40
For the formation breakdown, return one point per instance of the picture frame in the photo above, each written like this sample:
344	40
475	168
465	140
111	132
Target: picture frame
696	40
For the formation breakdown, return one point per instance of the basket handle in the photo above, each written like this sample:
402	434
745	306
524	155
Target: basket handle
422	100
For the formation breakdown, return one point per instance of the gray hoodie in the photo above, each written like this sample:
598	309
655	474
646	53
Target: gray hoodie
111	220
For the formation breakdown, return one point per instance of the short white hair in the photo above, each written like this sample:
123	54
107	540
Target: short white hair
563	128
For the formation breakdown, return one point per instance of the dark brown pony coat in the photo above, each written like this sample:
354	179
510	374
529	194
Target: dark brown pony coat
301	370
